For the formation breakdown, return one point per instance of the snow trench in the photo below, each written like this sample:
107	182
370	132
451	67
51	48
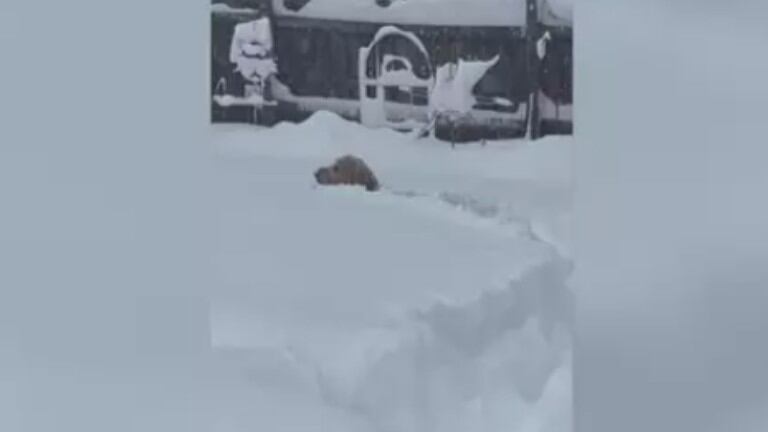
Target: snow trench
500	362
458	319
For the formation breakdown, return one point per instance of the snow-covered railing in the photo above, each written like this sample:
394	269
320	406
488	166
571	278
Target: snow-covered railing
372	94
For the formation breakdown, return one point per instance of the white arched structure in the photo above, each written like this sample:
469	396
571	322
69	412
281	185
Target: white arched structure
372	100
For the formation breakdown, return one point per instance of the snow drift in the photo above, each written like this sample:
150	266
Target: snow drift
435	304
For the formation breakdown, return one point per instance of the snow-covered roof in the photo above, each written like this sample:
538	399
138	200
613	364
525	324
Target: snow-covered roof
436	12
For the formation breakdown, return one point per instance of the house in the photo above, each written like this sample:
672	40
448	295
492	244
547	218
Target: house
378	62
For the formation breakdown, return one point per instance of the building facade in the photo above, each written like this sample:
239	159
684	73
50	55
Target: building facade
318	46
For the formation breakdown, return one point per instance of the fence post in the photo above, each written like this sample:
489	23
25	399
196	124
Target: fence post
532	33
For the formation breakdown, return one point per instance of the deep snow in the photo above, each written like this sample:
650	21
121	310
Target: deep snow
437	304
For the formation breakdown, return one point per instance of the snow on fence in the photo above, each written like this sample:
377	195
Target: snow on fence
448	88
251	53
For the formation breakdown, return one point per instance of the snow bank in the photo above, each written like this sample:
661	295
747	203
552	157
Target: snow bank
520	179
325	134
430	305
437	12
497	363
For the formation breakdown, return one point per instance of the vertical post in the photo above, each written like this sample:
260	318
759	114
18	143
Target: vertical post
532	33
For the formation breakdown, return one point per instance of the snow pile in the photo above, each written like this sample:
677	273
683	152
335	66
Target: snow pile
437	12
427	306
497	363
251	50
404	160
454	84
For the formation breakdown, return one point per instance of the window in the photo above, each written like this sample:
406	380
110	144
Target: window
420	96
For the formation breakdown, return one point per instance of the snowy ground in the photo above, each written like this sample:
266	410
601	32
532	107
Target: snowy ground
436	304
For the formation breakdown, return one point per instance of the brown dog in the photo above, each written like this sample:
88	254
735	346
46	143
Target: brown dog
348	170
